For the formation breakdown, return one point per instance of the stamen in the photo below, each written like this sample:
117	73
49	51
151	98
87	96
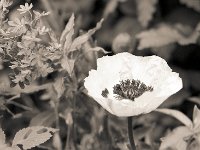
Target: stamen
130	89
105	93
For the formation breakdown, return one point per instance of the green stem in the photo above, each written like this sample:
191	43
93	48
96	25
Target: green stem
68	137
130	134
56	113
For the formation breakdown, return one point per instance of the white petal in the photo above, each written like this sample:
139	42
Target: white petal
94	84
151	70
124	108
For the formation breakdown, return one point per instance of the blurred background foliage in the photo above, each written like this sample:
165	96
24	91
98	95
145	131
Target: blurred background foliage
169	29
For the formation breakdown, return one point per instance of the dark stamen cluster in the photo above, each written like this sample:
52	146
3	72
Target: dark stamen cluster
130	89
105	93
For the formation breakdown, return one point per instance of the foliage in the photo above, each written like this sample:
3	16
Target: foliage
45	58
182	137
28	137
30	54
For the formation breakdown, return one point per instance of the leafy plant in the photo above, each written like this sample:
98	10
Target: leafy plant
45	59
27	138
183	137
30	53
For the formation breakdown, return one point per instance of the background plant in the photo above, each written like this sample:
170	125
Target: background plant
44	57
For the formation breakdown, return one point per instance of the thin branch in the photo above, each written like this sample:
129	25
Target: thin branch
20	105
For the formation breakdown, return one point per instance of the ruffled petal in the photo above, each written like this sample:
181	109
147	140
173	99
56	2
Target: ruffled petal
151	70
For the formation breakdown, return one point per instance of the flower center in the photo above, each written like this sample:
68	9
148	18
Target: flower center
130	89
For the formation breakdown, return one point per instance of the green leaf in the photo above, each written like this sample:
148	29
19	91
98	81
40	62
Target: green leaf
68	28
85	37
68	41
68	64
194	99
3	145
194	4
161	36
110	8
196	117
192	38
122	43
145	11
97	49
45	118
178	115
32	136
2	137
59	86
57	142
175	139
166	34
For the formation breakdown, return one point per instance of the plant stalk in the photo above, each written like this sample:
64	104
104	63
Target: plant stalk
130	134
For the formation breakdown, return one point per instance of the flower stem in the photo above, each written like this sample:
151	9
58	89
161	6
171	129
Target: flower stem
68	137
130	134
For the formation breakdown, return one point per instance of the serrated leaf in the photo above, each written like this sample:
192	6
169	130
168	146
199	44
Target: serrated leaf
32	136
178	115
161	36
45	118
85	37
194	4
68	28
145	11
2	137
175	139
196	117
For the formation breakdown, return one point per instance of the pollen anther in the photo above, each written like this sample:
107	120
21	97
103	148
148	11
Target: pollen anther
105	93
130	89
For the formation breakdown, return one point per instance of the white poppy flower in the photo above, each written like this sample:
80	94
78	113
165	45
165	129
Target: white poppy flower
128	85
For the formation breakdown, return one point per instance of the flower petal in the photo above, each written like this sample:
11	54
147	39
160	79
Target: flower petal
151	70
